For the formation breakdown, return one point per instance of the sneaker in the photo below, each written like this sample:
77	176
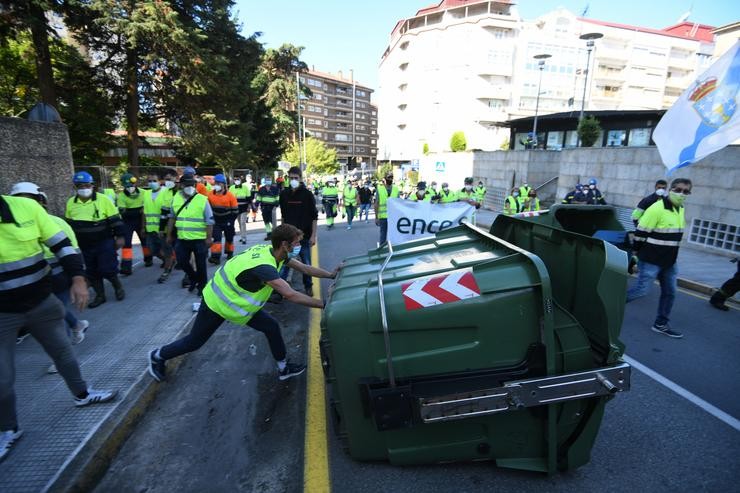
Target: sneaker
666	330
148	263
22	338
157	367
95	397
163	278
267	237
214	260
185	282
52	369
7	439
349	227
291	370
243	241
717	301
78	333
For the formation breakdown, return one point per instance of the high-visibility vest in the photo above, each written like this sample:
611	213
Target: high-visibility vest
383	200
21	256
513	205
224	296
110	193
241	192
56	267
480	192
190	222
268	195
350	196
427	197
531	205
126	202
92	220
447	197
524	191
464	194
152	210
329	192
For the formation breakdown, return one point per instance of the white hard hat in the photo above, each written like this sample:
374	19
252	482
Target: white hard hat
26	187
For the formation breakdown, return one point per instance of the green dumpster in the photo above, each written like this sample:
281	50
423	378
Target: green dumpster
466	346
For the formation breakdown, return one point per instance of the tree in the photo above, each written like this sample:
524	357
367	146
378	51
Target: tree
588	131
458	142
84	107
383	170
505	144
425	149
320	159
276	82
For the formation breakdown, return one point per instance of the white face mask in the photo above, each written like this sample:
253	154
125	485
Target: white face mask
592	187
445	189
268	183
468	187
85	192
188	191
169	184
217	188
131	189
515	194
660	192
294	183
237	182
154	185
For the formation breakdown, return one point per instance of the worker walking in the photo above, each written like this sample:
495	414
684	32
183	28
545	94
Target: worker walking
268	196
330	198
191	223
727	290
225	210
164	199
26	302
657	239
642	206
349	200
384	192
130	203
238	292
243	193
100	232
366	200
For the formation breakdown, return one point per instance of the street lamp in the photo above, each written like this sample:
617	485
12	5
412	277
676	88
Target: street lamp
589	38
541	63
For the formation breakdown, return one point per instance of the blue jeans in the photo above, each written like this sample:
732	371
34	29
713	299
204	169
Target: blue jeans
350	210
666	276
366	209
69	317
305	258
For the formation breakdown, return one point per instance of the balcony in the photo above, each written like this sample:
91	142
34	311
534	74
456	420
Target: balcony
485	90
679	82
487	67
613	96
685	63
611	53
485	115
609	75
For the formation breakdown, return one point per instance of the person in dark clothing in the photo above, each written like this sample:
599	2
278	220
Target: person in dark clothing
298	208
593	194
659	193
366	200
728	290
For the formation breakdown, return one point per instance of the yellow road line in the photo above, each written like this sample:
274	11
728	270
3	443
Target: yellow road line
316	456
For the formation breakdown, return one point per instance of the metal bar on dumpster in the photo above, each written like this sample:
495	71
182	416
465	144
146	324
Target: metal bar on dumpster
384	318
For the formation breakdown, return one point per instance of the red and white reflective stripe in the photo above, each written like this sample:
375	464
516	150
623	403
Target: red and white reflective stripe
439	290
531	213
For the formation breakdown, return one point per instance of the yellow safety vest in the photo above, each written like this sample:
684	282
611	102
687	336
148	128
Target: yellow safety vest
225	297
56	267
446	198
190	222
126	202
427	197
350	196
153	209
241	192
383	200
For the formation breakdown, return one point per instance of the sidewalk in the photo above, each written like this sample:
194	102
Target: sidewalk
698	270
112	356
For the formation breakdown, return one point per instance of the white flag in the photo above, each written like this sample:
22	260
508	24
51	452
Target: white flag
705	118
409	220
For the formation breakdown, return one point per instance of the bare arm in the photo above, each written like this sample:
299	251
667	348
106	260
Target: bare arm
311	271
290	294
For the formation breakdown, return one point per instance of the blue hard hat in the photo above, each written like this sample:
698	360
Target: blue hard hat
579	187
219	178
82	177
592	181
189	170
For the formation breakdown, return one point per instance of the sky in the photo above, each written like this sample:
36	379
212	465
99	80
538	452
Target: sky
352	34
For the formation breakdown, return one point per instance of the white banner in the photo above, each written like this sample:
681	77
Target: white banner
409	220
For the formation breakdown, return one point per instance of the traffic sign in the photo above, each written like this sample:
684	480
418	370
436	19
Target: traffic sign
440	167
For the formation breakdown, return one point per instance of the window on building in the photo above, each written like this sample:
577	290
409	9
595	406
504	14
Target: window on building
342	113
372	141
616	138
314	83
359	116
639	137
341	137
360	93
374	113
372	132
554	140
571	139
360	127
318	135
360	138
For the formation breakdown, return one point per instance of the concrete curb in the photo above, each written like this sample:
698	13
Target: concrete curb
92	460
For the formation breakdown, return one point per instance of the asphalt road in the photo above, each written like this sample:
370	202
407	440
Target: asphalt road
224	422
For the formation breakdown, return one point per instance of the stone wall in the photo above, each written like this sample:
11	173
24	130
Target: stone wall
37	152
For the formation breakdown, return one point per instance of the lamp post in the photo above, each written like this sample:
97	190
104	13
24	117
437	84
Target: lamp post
300	130
541	63
589	38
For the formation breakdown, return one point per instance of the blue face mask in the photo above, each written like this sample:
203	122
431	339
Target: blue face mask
295	252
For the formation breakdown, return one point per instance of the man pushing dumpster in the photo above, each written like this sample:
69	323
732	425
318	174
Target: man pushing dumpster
237	293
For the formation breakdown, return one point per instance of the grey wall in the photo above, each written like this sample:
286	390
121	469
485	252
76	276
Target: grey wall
37	152
625	175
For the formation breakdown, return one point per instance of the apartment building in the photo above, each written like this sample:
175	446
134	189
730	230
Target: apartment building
469	65
340	114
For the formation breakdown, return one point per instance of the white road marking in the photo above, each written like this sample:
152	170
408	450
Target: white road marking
693	398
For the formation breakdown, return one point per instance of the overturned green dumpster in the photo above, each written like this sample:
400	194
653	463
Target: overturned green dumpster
469	346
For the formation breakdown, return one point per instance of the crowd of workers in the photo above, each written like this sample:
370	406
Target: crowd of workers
187	222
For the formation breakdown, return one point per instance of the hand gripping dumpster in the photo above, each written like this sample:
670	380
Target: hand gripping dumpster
469	346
